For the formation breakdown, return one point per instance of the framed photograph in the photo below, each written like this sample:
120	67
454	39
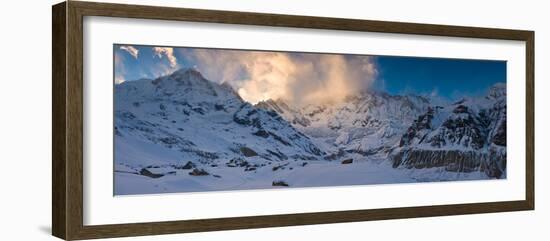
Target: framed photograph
171	120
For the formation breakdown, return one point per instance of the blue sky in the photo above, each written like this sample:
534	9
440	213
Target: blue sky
445	77
258	75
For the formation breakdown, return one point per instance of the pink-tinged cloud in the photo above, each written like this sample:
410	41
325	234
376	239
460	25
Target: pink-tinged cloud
131	50
296	77
120	69
168	53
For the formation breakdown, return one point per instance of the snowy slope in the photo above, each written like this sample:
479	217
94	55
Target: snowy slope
183	117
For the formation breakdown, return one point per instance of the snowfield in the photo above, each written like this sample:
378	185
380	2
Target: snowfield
184	133
314	174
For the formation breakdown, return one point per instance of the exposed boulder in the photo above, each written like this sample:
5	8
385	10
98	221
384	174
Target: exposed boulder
280	183
187	166
347	161
199	172
261	133
147	173
237	162
247	152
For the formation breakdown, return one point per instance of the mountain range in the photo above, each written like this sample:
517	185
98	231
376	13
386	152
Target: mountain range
182	132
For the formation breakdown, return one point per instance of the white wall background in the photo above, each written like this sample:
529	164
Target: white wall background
25	122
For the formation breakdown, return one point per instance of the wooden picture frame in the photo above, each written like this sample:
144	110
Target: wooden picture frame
67	136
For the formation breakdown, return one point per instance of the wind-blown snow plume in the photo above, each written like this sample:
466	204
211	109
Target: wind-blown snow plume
301	78
168	52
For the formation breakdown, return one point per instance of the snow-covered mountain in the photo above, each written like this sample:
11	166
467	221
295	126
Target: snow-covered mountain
182	132
466	136
183	116
370	123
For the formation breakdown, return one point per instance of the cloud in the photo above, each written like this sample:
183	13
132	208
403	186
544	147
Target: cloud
271	76
131	50
218	65
120	69
119	80
168	52
300	78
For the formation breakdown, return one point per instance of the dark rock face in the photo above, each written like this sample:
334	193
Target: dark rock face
499	137
491	163
422	123
467	138
466	132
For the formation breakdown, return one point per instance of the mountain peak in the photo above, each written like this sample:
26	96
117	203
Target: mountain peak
183	75
497	91
187	72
